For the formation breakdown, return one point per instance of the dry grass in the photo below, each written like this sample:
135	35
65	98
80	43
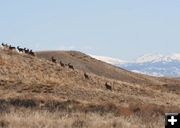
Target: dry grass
36	93
45	119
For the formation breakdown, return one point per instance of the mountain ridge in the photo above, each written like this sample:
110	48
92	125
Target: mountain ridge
158	58
151	64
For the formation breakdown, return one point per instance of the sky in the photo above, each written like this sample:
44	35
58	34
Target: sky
124	29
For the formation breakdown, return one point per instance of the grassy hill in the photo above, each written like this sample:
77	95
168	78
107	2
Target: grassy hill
49	95
88	64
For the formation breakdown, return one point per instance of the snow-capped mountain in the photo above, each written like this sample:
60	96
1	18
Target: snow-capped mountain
156	65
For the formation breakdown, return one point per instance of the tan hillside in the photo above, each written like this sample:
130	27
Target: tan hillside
35	85
88	64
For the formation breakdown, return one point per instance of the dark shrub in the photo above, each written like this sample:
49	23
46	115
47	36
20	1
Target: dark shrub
23	103
3	106
69	105
79	124
103	109
3	124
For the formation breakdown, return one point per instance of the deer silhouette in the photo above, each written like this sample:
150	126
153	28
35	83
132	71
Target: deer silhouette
5	46
62	64
70	66
86	76
108	86
11	47
31	53
53	59
20	49
26	50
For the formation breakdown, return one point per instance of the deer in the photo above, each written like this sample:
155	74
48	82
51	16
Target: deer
26	50
108	87
62	64
53	59
70	66
86	76
20	49
31	53
11	47
5	45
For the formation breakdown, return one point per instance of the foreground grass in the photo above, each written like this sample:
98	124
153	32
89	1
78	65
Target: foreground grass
45	119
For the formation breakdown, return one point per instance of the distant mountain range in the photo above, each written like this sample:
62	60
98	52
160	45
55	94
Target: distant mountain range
156	65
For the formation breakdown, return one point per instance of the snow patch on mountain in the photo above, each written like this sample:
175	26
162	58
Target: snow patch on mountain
158	58
149	73
109	60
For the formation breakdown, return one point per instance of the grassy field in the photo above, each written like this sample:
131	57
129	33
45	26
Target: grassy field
46	119
36	93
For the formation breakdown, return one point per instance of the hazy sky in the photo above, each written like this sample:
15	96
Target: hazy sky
124	29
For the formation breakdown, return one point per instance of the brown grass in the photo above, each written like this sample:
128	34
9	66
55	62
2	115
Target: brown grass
45	119
38	93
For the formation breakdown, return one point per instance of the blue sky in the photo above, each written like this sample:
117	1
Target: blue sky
124	29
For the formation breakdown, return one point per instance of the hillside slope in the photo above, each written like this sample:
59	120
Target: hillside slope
28	81
88	64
